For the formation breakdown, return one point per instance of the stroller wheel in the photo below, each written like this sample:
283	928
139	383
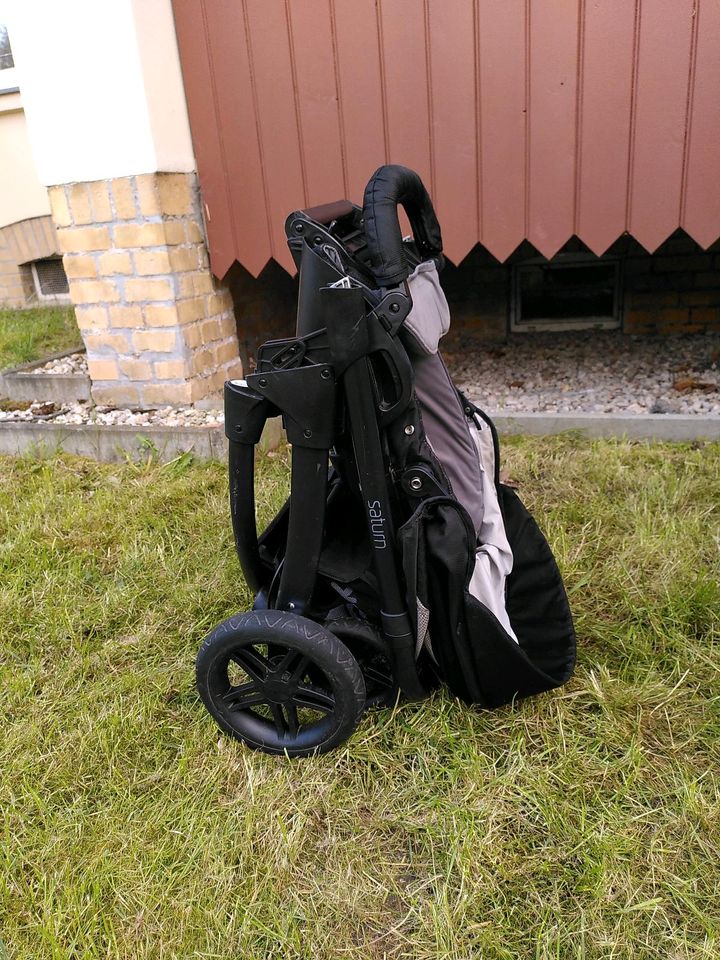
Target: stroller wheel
367	646
280	683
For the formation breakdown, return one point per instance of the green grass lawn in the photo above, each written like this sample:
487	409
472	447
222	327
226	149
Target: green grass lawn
27	335
584	823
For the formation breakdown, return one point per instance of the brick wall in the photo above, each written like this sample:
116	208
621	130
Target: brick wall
265	307
20	244
158	328
477	291
674	290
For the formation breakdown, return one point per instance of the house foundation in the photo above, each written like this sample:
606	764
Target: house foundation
675	290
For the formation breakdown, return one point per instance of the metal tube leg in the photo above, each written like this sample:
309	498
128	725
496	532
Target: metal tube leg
371	472
305	531
241	457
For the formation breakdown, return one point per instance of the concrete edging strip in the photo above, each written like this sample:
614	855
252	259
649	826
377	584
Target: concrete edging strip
111	443
645	426
60	355
46	387
18	383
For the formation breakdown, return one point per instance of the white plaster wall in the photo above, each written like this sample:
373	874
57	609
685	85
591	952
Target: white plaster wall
21	194
162	79
101	87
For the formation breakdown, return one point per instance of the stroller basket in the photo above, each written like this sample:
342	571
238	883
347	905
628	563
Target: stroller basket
400	561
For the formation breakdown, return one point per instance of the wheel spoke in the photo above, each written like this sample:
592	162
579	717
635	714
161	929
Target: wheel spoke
244	696
294	663
252	662
314	698
299	669
292	719
278	718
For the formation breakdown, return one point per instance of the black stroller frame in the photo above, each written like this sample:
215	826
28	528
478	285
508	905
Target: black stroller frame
334	625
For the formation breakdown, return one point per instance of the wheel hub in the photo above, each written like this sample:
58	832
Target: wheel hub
277	687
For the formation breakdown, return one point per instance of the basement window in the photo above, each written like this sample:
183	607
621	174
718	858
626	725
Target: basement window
568	294
51	282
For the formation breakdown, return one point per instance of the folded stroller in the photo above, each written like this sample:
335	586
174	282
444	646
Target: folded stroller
400	560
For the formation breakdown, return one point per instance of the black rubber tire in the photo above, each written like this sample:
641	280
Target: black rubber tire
366	644
285	677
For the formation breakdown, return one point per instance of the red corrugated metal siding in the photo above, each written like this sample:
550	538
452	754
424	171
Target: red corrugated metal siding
528	119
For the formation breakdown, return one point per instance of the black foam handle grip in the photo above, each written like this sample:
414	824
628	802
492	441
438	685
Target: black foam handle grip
390	186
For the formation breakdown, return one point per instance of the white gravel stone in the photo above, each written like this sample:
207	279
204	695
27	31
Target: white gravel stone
74	364
86	413
598	372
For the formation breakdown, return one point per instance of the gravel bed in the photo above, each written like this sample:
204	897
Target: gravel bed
73	364
568	373
86	413
594	372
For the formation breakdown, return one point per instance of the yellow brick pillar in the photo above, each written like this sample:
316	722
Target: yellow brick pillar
158	328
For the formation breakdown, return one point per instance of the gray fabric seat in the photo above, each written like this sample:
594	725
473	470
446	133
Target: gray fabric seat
461	442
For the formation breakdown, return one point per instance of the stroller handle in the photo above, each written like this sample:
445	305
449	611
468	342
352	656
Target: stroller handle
388	187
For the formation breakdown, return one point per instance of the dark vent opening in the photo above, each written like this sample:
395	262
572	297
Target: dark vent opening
50	278
565	295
